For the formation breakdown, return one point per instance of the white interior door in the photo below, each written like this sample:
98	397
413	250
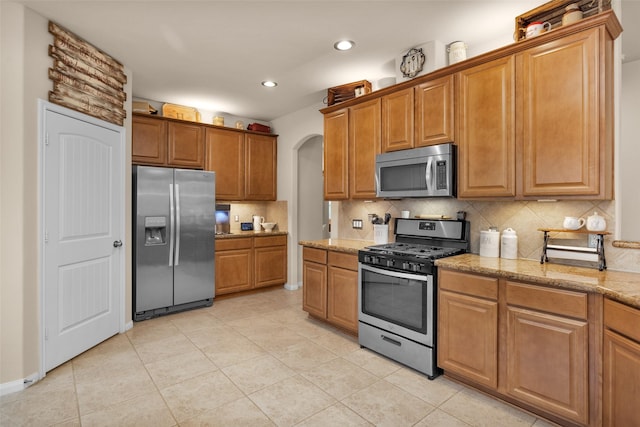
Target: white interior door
83	223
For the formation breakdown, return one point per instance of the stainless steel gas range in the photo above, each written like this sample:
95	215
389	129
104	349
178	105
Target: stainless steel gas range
397	290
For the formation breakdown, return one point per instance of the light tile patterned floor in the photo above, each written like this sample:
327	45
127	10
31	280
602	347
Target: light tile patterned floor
254	360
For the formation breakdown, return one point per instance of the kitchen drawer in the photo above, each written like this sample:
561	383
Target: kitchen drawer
314	255
261	242
622	319
470	284
231	244
343	260
558	301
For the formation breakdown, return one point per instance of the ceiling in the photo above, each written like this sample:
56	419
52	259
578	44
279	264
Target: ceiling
213	55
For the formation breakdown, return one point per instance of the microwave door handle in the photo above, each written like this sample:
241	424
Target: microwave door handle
429	174
377	179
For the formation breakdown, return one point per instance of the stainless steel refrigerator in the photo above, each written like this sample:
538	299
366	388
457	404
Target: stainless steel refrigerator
174	234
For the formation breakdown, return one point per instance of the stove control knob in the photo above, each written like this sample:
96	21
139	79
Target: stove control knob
375	260
390	263
416	267
406	265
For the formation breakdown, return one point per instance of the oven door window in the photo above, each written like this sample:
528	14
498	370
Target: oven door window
399	300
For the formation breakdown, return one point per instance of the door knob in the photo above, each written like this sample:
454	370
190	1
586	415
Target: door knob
117	243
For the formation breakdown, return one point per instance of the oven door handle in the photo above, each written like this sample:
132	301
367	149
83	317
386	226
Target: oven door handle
394	273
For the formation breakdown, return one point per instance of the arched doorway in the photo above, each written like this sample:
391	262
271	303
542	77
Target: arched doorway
313	212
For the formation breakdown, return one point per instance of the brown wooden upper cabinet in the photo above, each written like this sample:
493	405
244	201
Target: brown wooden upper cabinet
336	155
148	140
245	164
566	116
162	142
351	143
260	167
397	120
364	145
486	130
555	141
434	112
225	156
420	116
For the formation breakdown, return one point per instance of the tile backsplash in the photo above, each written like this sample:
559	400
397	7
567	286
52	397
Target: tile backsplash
525	217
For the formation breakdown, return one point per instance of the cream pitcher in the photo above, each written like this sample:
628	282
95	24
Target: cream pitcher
257	220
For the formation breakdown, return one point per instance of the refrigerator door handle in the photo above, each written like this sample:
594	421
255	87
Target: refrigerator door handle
172	224
177	257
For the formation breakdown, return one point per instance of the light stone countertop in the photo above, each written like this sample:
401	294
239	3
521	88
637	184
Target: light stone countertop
238	234
620	286
338	245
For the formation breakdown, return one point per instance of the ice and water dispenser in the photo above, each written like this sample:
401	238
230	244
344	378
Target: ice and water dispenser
155	230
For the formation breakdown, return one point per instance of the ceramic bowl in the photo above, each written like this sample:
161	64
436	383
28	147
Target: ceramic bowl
268	226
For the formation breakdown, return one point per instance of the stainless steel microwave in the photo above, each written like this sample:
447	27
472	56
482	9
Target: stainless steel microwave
419	172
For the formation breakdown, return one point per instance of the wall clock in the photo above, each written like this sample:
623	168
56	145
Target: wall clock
412	62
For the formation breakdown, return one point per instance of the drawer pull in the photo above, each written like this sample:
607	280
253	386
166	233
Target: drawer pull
390	340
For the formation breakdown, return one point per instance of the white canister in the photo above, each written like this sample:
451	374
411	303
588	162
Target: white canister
509	244
457	52
490	243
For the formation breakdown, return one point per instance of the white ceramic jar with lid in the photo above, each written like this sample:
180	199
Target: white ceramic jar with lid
596	222
457	52
509	244
490	243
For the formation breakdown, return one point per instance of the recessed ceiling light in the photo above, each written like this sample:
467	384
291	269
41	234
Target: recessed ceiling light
343	45
269	83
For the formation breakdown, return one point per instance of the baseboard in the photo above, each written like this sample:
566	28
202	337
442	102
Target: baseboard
18	385
128	325
293	286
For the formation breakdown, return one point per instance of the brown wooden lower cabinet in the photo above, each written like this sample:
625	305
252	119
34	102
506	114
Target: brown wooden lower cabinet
468	326
270	254
547	349
534	346
621	388
250	262
234	262
314	282
330	287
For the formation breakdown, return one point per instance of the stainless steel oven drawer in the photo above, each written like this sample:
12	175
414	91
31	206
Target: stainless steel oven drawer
409	353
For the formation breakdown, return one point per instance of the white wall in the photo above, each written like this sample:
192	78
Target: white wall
629	156
293	130
24	40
